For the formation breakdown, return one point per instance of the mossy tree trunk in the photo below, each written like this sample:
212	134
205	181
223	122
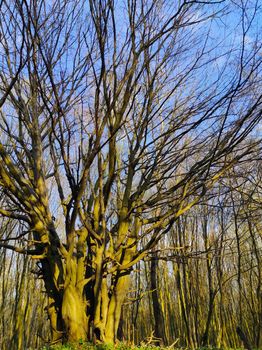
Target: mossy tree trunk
74	316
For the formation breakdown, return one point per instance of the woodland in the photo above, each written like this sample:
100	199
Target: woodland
130	173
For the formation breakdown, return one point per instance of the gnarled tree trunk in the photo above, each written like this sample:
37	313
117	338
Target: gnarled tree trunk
74	315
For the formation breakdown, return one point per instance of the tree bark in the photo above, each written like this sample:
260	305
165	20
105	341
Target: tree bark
115	306
160	332
244	339
74	315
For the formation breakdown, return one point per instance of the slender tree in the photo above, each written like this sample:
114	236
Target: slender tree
160	332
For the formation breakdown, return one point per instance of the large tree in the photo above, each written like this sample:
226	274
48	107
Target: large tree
116	118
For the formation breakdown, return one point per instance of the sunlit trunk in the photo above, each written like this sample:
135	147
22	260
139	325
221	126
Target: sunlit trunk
74	315
55	319
114	309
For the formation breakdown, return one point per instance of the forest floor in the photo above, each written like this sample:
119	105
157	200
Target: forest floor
89	346
121	346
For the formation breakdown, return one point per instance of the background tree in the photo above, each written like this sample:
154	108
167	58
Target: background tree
23	322
213	246
110	131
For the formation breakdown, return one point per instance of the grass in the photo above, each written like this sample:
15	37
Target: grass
120	346
89	346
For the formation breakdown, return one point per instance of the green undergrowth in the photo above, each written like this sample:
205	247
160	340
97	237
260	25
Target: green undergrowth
121	346
89	346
